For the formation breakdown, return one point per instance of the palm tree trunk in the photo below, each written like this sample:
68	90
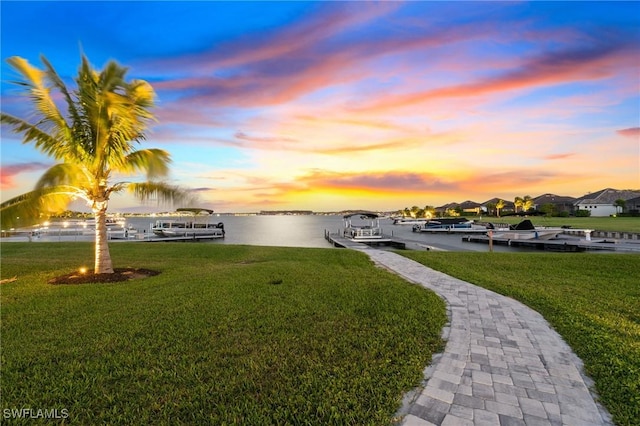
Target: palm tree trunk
102	256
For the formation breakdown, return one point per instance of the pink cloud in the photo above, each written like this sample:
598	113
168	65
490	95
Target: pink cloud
321	24
371	181
310	55
559	156
267	139
631	132
8	173
592	62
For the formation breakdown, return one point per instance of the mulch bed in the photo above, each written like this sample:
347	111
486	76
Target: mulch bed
119	275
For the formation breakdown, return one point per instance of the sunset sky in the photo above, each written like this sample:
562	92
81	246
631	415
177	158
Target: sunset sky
341	105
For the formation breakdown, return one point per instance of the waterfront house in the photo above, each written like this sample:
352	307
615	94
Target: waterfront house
470	207
603	203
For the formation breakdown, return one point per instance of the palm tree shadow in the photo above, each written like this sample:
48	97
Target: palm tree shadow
119	275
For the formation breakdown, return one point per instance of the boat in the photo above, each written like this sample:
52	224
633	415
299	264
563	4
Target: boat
363	226
525	230
197	227
408	221
121	233
448	224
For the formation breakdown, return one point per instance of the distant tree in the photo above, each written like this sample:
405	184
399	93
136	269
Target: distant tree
414	211
582	213
406	212
548	209
621	204
452	212
499	206
525	203
491	208
93	141
518	202
429	211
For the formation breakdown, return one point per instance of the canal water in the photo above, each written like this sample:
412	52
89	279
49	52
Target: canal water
286	231
308	231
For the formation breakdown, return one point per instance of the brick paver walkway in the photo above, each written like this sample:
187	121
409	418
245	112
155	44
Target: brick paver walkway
503	364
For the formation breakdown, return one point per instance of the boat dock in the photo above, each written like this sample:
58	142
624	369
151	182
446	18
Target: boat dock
559	244
338	240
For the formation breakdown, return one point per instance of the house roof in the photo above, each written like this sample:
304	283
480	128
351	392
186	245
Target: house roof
507	203
469	204
448	206
553	199
604	196
608	196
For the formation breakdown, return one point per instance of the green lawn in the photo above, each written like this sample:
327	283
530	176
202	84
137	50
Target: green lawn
592	300
224	335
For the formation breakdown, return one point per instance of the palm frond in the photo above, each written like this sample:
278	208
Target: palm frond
40	94
68	174
44	141
160	192
57	82
28	209
153	162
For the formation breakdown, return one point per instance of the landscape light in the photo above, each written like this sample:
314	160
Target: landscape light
82	270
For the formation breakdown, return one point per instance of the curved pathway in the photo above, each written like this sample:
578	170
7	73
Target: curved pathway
503	364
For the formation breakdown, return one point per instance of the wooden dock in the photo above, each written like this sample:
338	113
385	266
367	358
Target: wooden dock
560	244
340	241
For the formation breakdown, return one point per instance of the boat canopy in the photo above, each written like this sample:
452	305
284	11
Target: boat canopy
194	210
362	214
525	225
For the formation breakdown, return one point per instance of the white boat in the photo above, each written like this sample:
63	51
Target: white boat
408	221
525	230
121	233
197	226
77	227
363	226
449	224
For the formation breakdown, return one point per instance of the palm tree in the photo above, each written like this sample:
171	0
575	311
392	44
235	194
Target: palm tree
518	202
429	212
499	206
527	203
93	142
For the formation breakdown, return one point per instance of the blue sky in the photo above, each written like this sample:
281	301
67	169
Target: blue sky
332	105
